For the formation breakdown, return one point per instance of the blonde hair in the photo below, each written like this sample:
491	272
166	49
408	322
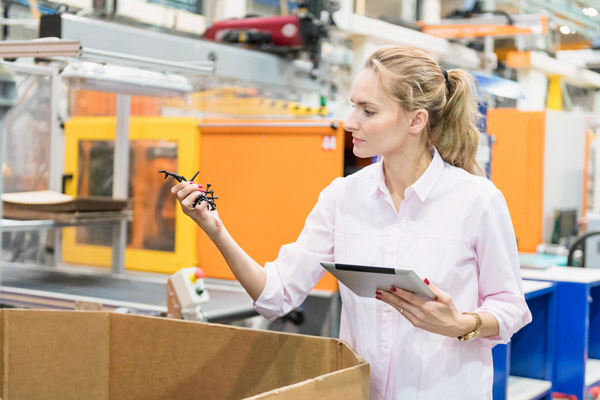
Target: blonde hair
416	81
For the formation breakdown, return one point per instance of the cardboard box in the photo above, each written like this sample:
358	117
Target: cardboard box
99	355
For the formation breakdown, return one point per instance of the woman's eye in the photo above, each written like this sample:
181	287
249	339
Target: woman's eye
369	113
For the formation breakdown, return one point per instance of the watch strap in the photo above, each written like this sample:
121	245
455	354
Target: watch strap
475	332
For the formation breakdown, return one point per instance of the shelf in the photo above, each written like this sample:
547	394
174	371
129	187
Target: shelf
520	388
532	286
563	274
592	371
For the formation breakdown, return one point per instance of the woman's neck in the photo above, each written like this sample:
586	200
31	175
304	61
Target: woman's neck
403	170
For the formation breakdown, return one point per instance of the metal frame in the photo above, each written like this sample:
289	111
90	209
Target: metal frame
569	14
39	48
120	164
73	49
121	158
146	62
258	67
229	302
57	141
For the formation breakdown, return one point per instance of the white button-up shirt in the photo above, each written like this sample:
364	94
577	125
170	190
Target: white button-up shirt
452	228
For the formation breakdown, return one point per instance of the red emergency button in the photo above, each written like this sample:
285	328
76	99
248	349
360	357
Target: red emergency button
199	274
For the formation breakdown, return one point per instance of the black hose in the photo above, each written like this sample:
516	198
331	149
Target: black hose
578	241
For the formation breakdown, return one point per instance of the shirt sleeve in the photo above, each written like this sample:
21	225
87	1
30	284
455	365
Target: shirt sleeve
297	268
500	283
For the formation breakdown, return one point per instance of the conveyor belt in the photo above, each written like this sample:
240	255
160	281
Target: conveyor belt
45	287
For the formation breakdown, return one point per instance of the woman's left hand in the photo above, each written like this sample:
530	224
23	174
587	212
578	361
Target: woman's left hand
438	316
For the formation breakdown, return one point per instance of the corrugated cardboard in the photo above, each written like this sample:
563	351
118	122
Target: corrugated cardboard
97	355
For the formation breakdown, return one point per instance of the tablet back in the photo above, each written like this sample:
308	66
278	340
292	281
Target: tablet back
364	280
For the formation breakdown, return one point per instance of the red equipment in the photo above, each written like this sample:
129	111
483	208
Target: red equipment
280	34
278	30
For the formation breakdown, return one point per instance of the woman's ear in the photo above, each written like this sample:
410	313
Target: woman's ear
419	121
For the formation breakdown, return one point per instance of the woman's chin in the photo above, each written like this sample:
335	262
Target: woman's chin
361	154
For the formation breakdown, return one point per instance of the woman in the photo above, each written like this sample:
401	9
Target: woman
423	207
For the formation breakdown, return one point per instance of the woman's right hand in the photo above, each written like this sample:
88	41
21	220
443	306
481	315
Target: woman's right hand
209	221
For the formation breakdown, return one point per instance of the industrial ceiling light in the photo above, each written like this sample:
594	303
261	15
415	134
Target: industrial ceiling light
565	30
124	80
590	11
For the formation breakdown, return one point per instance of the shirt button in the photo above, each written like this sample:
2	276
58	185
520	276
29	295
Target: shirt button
388	308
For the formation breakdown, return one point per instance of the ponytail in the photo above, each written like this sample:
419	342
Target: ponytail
415	80
457	137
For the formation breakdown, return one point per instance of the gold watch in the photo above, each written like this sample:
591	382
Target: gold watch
475	332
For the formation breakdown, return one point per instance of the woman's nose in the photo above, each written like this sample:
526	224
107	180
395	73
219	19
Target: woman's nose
350	123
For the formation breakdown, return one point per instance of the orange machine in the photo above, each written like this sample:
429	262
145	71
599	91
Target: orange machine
538	162
517	169
267	175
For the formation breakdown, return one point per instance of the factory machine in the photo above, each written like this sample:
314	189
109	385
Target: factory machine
264	172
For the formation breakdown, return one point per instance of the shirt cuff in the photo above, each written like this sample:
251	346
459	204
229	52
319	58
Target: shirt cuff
269	302
502	337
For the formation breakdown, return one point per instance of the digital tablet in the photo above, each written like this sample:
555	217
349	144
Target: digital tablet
364	280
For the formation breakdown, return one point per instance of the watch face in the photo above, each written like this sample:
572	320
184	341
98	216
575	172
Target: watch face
475	332
470	336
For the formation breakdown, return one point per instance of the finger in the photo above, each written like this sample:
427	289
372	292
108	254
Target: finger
190	199
203	205
400	304
186	191
186	184
406	313
439	293
408	296
178	187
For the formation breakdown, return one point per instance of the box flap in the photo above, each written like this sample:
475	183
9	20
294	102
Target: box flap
349	381
161	358
348	384
55	355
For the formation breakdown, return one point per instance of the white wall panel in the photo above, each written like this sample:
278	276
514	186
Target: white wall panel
563	165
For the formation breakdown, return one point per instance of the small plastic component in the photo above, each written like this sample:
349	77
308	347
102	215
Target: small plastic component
208	195
179	178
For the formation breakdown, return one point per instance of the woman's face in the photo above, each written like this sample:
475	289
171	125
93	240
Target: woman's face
379	125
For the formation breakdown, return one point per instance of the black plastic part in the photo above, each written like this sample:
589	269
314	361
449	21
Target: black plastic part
207	196
51	26
295	317
179	178
247	36
65	178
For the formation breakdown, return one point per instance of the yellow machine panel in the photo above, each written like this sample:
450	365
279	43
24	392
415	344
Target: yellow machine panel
160	237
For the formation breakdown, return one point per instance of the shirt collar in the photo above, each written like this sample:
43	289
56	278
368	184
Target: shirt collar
423	186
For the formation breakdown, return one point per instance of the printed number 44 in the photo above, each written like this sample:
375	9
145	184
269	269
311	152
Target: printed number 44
328	143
